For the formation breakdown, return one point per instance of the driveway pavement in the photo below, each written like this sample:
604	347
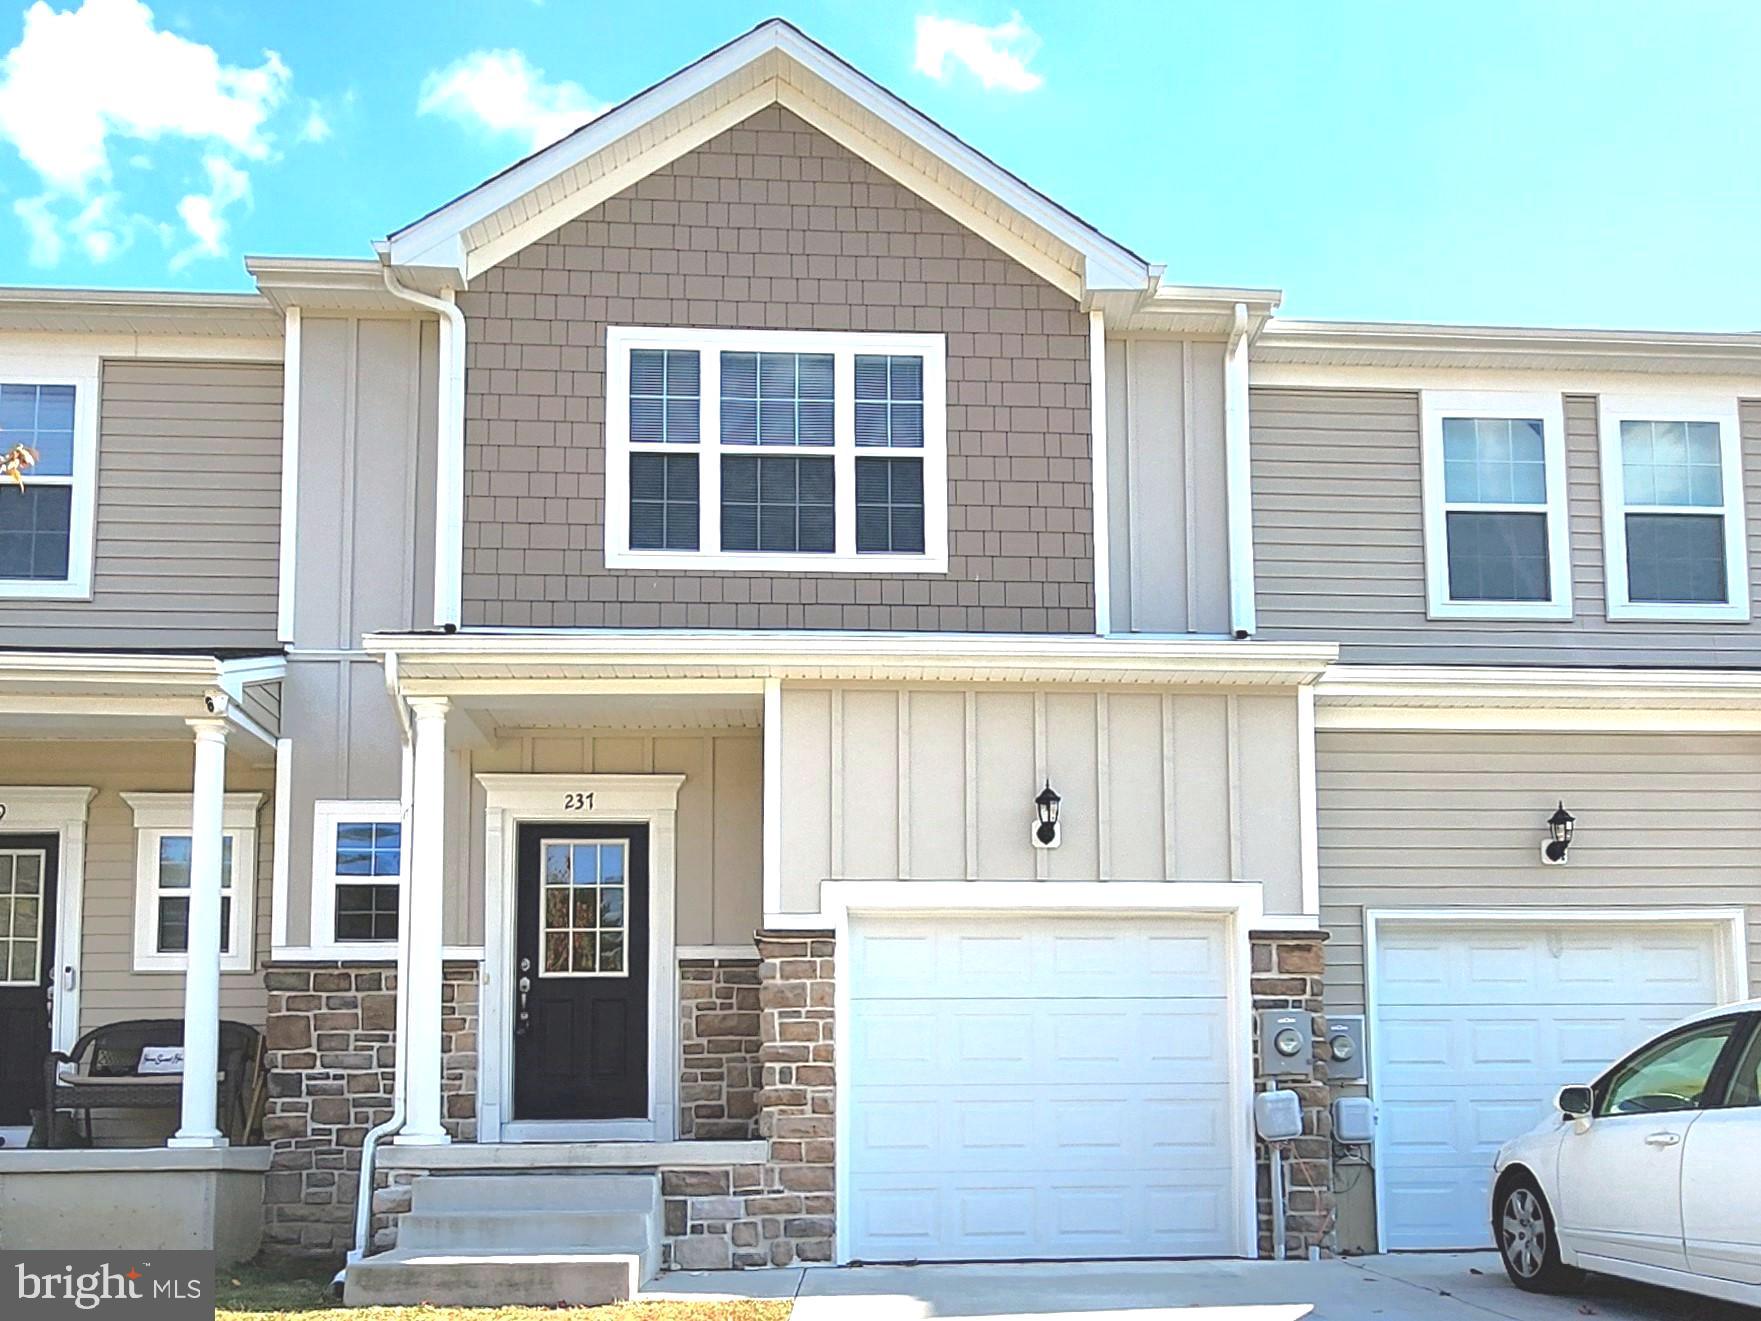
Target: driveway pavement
1428	1287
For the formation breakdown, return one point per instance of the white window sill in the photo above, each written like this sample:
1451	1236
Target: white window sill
179	963
1678	613
694	561
1492	611
19	589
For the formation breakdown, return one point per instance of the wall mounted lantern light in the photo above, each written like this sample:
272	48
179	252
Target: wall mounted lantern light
1045	829
1559	831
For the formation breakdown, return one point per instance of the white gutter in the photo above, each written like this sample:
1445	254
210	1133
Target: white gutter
449	469
1238	478
395	1120
1099	503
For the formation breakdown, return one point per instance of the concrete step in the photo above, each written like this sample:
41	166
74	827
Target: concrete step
477	1193
529	1231
406	1277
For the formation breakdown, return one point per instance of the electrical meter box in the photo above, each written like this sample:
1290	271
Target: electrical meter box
1287	1043
1354	1121
1345	1043
1277	1116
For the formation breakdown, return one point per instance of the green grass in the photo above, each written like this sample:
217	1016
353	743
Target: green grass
302	1293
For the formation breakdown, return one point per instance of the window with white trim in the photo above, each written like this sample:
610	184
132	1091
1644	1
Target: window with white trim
1672	508
776	450
46	523
1497	543
357	872
162	881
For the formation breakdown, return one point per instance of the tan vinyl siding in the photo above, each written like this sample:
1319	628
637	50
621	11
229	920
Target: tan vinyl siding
1446	820
773	225
1339	544
188	514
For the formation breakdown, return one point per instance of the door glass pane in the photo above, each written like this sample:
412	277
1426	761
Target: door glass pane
1669	1076
21	916
582	914
1745	1083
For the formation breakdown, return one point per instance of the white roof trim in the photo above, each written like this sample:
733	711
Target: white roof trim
486	661
441	239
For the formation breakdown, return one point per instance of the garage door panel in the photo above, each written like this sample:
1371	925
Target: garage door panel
1476	1029
1039	1086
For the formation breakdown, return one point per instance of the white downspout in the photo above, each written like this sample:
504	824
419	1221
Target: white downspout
395	1120
449	468
1238	483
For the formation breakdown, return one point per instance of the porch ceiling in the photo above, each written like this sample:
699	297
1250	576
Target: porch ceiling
490	662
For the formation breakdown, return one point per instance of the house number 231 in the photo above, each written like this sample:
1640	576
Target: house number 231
577	802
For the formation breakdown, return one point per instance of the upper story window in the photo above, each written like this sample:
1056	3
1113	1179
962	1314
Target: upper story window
1496	534
776	450
1672	509
46	524
162	880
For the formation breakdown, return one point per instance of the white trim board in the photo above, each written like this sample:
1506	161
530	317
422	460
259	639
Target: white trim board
61	811
1733	970
1238	903
513	800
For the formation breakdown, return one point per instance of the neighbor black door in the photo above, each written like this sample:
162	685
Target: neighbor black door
580	990
28	865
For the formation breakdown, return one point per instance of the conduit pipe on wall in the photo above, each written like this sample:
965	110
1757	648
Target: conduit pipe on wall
449	468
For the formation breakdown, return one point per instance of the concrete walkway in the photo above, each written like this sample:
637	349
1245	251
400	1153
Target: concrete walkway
1454	1287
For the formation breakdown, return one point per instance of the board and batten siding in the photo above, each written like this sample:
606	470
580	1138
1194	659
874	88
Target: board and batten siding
773	225
1339	544
937	783
1167	497
188	513
719	899
1455	820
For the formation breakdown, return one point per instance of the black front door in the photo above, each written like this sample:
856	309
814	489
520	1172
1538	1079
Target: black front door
28	865
581	973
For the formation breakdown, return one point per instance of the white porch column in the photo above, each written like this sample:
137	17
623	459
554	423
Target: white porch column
426	856
201	985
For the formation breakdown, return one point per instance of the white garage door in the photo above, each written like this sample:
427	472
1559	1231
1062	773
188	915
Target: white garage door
1478	1027
1039	1086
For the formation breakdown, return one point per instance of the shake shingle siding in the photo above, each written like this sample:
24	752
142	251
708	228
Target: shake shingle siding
1339	544
772	225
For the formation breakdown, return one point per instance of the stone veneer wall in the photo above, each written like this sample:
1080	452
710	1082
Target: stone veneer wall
719	1045
332	1049
1289	969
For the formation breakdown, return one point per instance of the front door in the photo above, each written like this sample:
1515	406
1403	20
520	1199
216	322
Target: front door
580	990
28	865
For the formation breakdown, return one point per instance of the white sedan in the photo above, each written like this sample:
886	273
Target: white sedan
1652	1172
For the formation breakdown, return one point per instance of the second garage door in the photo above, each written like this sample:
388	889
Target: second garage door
1040	1086
1476	1028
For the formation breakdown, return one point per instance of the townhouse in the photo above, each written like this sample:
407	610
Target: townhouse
753	690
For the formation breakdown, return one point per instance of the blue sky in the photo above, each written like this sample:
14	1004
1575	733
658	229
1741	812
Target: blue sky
1555	163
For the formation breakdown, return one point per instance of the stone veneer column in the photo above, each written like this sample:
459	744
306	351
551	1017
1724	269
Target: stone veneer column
332	1048
1288	973
719	1048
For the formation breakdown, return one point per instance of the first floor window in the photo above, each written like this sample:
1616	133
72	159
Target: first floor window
1495	519
37	519
1673	509
164	859
776	450
357	872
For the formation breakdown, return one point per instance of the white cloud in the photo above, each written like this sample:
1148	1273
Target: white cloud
103	77
204	214
998	56
316	127
499	91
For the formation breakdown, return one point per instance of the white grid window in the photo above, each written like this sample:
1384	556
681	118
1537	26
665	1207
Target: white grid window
162	881
357	873
1672	512
740	450
49	405
1496	530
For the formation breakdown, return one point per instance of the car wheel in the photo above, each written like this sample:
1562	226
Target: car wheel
1528	1242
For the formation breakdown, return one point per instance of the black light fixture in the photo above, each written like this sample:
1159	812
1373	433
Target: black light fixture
1045	831
1559	831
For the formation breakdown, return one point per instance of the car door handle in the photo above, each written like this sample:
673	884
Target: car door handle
1663	1139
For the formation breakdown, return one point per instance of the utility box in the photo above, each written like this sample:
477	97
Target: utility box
1277	1115
1287	1043
1345	1047
1354	1121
